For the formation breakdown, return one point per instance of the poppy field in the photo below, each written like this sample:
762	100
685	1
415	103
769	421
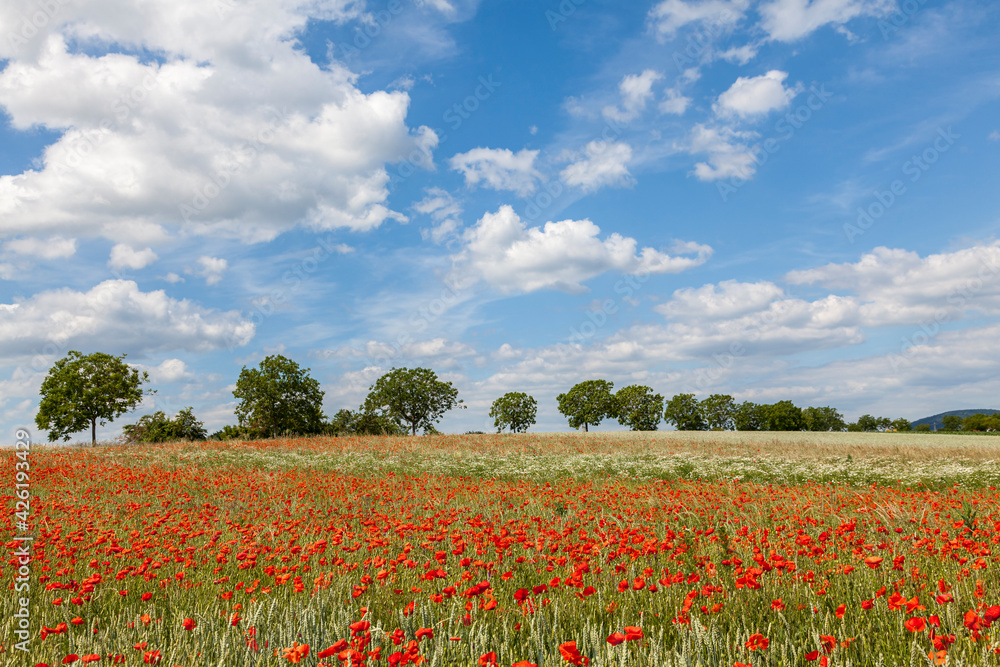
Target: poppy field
607	549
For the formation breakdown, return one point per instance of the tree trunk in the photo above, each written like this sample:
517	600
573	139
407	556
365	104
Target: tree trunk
93	432
413	428
585	430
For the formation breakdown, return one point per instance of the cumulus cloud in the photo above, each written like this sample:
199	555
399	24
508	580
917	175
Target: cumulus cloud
668	16
170	370
211	268
444	210
791	20
750	96
55	247
899	287
230	131
602	163
728	299
512	257
729	152
499	168
116	310
636	90
674	102
124	256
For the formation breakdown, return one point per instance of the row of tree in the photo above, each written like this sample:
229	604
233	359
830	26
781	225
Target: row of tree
279	397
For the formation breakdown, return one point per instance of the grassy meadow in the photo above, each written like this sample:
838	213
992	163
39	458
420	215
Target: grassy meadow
607	548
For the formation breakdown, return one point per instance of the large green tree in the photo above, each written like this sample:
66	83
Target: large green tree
870	423
784	416
684	412
638	407
823	419
718	411
81	391
750	416
514	410
588	403
414	397
279	397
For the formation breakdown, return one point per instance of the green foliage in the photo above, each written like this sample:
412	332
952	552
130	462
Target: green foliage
684	412
279	398
718	411
412	397
922	428
951	422
901	425
515	411
232	432
588	402
81	391
157	427
638	407
750	416
868	423
359	422
981	422
823	419
784	416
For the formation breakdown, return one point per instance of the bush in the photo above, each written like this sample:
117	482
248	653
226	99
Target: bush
157	427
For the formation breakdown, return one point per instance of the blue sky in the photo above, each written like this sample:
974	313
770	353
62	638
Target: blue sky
777	199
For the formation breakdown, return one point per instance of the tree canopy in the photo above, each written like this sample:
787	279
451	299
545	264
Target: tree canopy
514	410
414	397
279	397
638	407
588	403
684	412
157	427
81	391
718	410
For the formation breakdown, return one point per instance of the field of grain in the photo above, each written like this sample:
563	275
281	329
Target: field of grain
603	548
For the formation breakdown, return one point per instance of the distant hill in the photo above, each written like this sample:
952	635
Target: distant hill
935	420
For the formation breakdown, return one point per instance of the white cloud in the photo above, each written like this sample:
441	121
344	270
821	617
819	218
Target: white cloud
504	252
739	55
603	163
755	95
173	278
442	350
994	135
126	257
211	268
499	168
728	299
900	287
728	151
170	370
444	210
55	247
674	102
717	15
231	131
116	312
791	20
636	90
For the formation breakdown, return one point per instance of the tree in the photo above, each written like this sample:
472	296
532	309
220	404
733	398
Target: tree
901	425
750	416
823	419
80	391
718	411
588	402
514	410
684	412
868	423
360	422
981	422
784	416
279	397
158	428
951	422
638	407
412	397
